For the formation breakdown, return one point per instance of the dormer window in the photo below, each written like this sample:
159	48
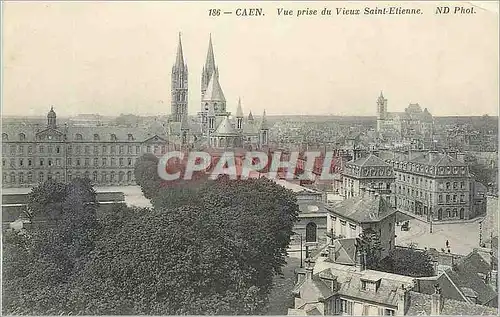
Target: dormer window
78	137
113	137
370	285
130	137
96	137
5	137
22	136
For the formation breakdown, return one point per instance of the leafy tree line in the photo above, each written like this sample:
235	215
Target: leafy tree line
402	261
207	247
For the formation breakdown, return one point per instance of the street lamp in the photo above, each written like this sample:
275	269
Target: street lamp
431	214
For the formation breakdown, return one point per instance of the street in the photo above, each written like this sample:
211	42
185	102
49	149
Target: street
463	237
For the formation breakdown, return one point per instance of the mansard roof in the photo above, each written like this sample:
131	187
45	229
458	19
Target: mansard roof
369	161
363	209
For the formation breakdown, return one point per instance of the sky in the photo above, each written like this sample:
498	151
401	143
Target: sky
116	57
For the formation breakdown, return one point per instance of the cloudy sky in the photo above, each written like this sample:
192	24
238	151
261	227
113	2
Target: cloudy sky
116	57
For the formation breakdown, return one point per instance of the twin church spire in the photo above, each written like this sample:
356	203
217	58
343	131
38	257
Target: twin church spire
212	96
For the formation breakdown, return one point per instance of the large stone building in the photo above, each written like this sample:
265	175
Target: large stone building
433	184
105	155
367	172
214	125
414	126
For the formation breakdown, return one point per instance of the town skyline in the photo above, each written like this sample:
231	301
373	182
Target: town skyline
121	63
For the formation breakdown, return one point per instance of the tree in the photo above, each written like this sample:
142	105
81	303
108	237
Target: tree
45	200
187	266
215	254
146	175
407	261
39	263
370	247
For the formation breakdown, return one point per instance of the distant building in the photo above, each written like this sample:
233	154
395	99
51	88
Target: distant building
214	127
413	125
105	155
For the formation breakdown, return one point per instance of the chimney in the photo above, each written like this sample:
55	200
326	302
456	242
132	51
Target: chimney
309	269
432	155
331	252
436	301
360	260
402	297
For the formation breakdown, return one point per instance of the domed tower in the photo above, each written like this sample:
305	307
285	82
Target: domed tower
51	118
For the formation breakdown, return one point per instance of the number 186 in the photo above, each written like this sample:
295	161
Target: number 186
214	12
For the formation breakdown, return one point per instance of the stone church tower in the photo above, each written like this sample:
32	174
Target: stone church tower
381	111
179	86
209	69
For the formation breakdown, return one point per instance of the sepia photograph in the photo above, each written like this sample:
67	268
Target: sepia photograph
285	158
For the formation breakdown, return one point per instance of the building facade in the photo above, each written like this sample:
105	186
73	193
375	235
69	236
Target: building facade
433	185
105	155
367	172
368	213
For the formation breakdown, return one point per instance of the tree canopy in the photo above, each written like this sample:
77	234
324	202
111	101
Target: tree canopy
207	247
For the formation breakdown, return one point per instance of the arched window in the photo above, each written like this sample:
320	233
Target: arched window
94	176
22	136
129	176
87	174
96	137
41	177
462	211
21	177
5	137
78	137
113	137
311	232
121	176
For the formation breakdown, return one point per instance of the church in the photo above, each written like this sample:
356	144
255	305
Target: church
414	126
214	126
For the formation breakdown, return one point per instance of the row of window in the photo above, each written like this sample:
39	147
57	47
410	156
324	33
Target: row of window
103	177
420	209
70	162
86	149
346	307
78	137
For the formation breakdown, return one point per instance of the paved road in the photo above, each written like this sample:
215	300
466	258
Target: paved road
133	194
463	237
